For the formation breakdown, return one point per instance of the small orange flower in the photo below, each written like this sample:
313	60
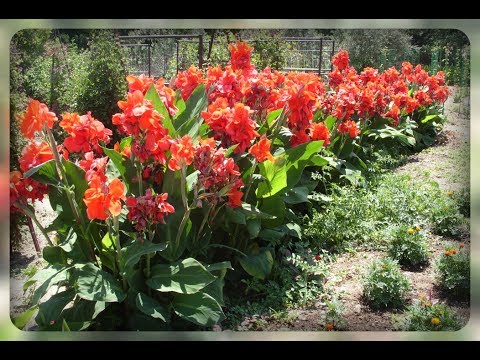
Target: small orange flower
182	153
34	117
435	321
461	246
319	131
261	150
328	327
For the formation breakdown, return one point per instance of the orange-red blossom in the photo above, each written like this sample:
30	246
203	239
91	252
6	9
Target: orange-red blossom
261	150
102	200
34	117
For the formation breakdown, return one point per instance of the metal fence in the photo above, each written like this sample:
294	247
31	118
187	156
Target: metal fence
165	55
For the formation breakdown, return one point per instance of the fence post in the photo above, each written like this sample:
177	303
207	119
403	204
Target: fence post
149	58
331	55
320	58
200	51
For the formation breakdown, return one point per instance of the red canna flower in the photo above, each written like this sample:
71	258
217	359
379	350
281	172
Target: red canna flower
149	210
240	56
141	83
85	132
22	190
167	95
393	113
35	154
188	80
261	150
103	201
234	198
348	126
299	137
34	117
341	60
319	131
182	153
94	167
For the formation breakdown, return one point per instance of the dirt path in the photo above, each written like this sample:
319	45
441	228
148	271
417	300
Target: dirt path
448	164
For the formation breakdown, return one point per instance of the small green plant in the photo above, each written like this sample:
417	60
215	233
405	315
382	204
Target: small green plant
462	198
409	246
425	315
385	285
445	217
453	268
333	318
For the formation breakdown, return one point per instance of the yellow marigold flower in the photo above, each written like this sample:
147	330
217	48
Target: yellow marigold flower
418	228
450	193
411	231
328	327
435	321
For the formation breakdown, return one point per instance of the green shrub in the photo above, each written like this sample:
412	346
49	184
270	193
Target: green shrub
445	217
425	316
462	199
105	82
385	285
409	246
453	268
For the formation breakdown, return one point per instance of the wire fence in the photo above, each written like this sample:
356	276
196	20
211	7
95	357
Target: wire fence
165	55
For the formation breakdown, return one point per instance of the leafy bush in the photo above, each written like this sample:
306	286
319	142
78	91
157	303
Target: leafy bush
409	246
423	315
104	83
385	285
453	268
462	199
445	217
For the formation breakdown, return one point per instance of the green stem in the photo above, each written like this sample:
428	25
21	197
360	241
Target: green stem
183	186
227	247
31	214
182	226
140	179
204	221
254	166
119	249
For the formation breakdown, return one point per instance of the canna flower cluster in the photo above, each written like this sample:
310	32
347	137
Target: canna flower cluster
238	115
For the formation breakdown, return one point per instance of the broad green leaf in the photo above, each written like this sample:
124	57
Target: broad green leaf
330	122
158	105
190	117
132	253
171	184
297	195
297	158
253	227
271	235
235	216
318	160
429	118
54	255
179	103
273	115
192	180
187	277
116	158
45	173
69	242
219	266
294	230
126	141
252	211
22	320
76	177
275	174
258	264
95	284
273	205
199	308
84	311
50	310
152	307
215	289
50	275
